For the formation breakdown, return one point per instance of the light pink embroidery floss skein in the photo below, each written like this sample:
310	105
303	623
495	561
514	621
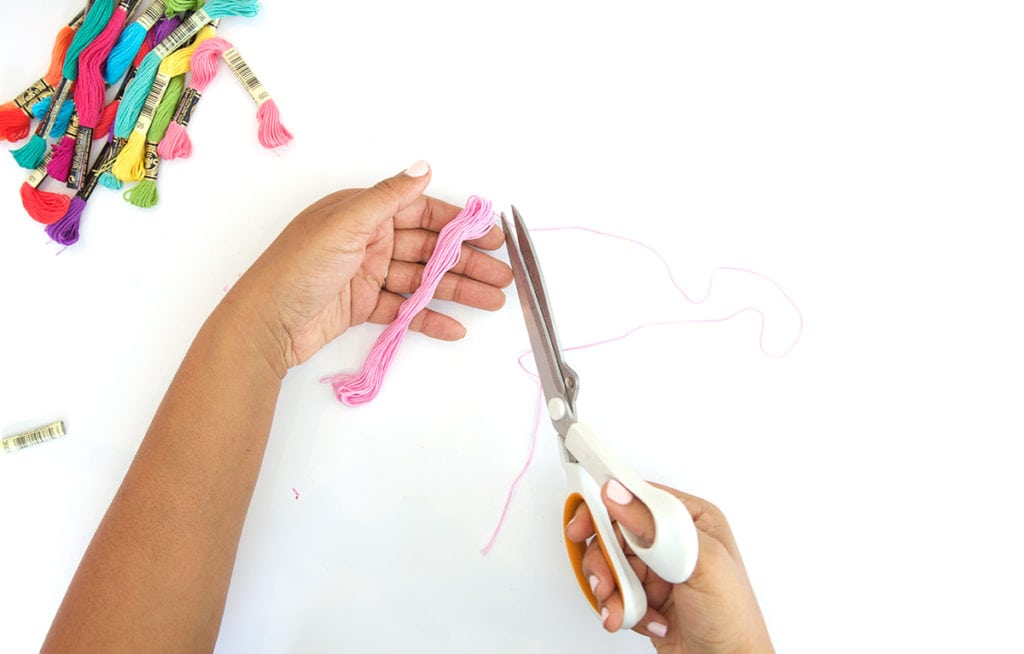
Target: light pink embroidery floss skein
474	221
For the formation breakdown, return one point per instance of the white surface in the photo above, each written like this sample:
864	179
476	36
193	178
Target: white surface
866	155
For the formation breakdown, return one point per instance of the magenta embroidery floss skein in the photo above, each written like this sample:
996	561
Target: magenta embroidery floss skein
90	92
474	221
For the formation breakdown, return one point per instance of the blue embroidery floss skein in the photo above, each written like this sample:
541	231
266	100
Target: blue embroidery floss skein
129	42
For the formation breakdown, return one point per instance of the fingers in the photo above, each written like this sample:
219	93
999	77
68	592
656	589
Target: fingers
405	278
432	214
427	322
707	517
369	208
416	246
581	526
654	625
628	512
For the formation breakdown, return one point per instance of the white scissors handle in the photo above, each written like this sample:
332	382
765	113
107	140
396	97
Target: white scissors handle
582	488
673	554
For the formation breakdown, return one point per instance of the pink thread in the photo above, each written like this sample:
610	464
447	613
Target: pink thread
522	471
272	134
475	220
296	492
204	65
536	426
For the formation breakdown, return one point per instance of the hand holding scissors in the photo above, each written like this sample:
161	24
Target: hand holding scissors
589	463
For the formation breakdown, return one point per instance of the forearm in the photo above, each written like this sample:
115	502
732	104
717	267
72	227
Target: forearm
156	574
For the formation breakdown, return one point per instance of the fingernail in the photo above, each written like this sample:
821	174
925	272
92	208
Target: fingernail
594	581
657	629
618	493
570	524
418	169
604	614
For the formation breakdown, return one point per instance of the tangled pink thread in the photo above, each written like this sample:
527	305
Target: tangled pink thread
472	222
686	296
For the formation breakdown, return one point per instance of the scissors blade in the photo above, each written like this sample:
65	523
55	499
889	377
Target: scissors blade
558	380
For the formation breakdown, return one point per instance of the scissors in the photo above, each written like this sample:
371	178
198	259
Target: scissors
589	463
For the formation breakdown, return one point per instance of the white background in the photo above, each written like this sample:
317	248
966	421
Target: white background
867	156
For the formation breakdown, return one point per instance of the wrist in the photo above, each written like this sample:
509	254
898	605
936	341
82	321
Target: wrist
250	330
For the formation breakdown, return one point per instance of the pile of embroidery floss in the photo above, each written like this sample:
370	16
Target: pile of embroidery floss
123	80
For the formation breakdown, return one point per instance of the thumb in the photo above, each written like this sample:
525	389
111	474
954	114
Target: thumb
371	207
629	512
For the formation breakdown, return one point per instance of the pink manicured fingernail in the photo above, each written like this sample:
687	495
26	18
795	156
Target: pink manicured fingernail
657	629
594	581
618	493
418	169
604	614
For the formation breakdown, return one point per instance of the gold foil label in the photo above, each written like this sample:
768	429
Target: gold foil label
33	94
151	162
106	164
77	21
73	125
102	165
80	161
186	105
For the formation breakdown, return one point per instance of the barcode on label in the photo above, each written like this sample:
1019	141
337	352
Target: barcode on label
245	75
150	16
156	94
184	32
34	437
39	174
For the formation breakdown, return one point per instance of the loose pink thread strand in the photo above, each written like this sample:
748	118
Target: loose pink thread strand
536	426
471	223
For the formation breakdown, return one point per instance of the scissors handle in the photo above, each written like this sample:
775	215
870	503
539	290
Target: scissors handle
582	488
673	554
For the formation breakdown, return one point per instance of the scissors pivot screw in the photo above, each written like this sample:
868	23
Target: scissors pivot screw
557	408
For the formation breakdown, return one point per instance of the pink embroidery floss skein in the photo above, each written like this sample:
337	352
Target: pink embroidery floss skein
176	143
272	133
472	222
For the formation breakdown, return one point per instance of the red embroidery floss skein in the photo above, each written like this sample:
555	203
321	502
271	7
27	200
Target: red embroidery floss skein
16	116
